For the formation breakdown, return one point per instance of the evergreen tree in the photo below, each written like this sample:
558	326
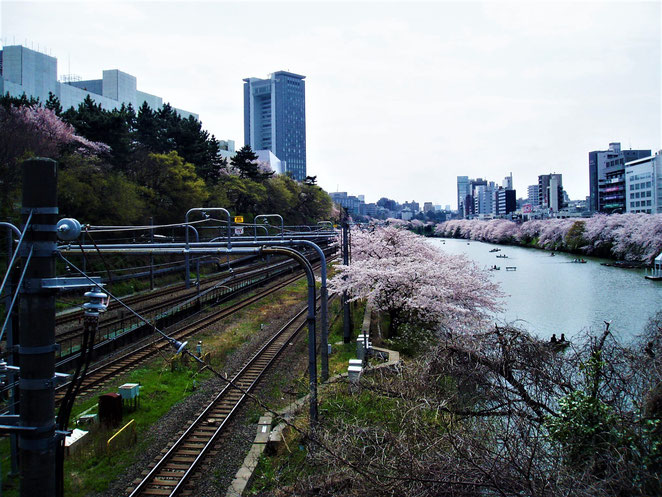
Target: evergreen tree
7	100
53	103
147	129
245	161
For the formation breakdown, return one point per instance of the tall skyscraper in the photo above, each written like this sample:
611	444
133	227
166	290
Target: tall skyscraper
463	191
275	118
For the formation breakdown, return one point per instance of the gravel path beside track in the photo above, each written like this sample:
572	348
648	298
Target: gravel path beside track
237	442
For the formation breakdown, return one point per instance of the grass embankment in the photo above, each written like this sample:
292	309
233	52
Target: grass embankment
335	405
165	382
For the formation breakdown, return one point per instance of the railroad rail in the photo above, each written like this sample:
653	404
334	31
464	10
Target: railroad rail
133	358
121	329
171	474
118	323
73	317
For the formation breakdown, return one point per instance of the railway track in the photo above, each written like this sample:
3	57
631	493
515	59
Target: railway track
122	328
172	473
62	320
100	375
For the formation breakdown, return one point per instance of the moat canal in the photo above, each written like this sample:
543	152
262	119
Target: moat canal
548	294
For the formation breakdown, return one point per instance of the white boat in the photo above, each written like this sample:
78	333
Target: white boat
656	272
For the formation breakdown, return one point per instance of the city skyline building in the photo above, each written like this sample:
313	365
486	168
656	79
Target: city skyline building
484	203
643	184
463	191
479	197
550	191
505	201
275	118
606	177
29	72
533	197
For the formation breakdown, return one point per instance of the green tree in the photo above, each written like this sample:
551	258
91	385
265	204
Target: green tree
164	130
240	195
92	193
246	164
171	185
314	204
114	128
7	101
53	103
574	238
281	195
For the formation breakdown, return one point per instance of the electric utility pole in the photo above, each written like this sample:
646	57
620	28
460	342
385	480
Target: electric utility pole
37	440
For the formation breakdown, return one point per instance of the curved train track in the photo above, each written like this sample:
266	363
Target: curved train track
121	328
172	473
124	362
61	320
154	301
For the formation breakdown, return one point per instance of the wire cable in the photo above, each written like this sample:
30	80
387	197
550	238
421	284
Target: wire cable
20	241
18	290
118	300
111	229
110	276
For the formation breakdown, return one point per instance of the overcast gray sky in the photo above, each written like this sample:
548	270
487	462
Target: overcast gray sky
401	97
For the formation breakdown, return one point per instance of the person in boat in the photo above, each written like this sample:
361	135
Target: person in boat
553	339
552	254
562	339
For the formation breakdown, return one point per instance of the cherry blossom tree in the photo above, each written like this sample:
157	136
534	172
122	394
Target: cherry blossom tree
395	222
415	283
33	131
633	237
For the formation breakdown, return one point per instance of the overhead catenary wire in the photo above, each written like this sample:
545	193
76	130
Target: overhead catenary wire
117	299
17	292
16	251
371	476
110	229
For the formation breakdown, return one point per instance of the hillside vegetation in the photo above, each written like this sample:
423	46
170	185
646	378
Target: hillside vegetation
124	166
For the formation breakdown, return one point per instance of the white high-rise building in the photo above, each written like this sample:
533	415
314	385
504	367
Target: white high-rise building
34	74
643	185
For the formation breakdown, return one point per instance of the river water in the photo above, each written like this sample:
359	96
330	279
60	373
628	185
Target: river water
548	294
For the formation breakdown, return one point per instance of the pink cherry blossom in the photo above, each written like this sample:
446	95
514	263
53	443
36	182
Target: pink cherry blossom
633	237
405	276
39	131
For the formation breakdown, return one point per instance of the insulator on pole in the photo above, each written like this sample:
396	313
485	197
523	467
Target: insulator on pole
97	302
